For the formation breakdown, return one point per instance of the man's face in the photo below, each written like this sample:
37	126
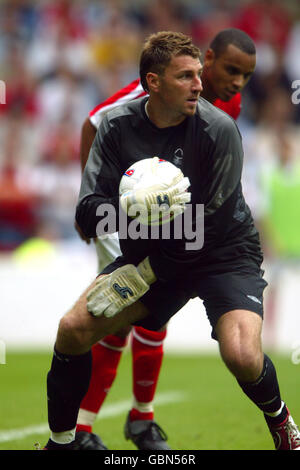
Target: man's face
230	72
180	86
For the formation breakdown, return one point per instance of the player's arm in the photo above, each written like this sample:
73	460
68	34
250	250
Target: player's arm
88	133
226	168
100	181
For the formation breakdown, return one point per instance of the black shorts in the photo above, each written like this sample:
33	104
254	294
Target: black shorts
220	293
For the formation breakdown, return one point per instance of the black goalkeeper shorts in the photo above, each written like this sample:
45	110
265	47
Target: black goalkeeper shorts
220	293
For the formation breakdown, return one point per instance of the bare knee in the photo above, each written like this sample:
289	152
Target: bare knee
72	338
243	362
239	336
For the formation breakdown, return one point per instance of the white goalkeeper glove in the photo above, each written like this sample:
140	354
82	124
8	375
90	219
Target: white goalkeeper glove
113	292
159	196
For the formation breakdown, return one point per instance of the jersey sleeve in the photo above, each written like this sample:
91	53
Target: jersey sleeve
130	92
100	183
226	166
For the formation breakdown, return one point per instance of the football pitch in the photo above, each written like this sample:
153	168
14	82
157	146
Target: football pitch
198	404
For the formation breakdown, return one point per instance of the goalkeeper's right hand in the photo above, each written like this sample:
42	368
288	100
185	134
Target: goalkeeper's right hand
164	197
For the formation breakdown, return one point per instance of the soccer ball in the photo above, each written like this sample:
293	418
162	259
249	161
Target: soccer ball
146	173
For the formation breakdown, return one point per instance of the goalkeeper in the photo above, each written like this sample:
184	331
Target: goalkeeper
153	279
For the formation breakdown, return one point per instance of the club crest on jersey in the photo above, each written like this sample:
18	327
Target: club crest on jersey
129	172
178	157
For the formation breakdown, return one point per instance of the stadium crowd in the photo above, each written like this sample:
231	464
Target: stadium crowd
58	59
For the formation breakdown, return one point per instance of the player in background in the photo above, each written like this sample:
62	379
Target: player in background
227	67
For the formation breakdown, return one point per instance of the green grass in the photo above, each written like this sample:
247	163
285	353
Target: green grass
213	413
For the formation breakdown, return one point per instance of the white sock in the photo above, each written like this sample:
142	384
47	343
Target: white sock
64	437
86	417
276	413
142	407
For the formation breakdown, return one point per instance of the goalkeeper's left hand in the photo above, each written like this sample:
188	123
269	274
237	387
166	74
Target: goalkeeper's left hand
113	292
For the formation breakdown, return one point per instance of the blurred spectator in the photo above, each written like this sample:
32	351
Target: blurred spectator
56	178
114	48
277	111
280	182
64	95
165	15
61	146
275	116
267	22
207	21
280	224
18	19
57	44
291	61
18	200
21	86
291	57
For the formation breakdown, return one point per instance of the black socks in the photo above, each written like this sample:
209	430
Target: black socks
67	383
265	393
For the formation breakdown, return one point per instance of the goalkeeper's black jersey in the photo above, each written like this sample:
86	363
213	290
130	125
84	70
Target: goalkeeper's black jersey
208	149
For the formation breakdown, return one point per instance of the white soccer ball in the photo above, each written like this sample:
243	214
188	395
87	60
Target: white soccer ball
146	173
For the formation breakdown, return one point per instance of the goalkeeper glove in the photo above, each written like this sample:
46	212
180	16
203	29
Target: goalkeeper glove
115	291
159	196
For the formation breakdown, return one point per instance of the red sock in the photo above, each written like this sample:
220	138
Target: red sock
147	352
106	357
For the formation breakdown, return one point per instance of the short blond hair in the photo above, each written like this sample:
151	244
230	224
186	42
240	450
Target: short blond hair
158	50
